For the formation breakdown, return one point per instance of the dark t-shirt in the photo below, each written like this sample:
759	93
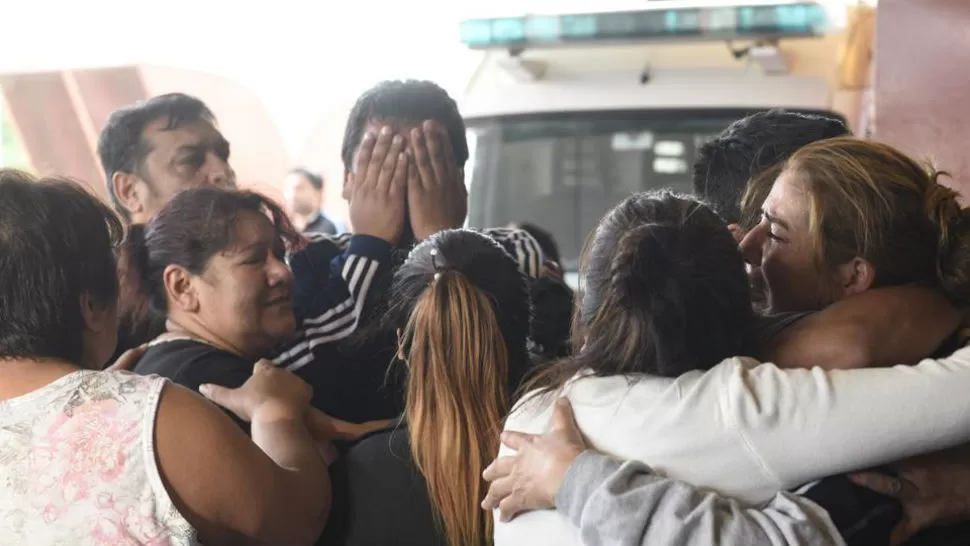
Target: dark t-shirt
765	327
191	363
379	497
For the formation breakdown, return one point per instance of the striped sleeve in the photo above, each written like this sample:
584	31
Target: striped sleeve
332	278
523	248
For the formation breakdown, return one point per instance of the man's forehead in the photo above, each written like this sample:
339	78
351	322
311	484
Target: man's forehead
159	136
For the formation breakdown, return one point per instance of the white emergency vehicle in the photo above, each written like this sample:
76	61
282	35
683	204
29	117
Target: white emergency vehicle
568	114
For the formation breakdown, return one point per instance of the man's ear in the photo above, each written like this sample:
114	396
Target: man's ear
180	288
98	317
131	192
856	276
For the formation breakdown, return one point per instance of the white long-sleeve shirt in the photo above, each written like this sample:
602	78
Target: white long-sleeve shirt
749	431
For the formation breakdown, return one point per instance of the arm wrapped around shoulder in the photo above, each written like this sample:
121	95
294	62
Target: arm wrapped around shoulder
881	327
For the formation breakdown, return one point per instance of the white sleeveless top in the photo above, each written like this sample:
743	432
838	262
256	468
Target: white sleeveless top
78	466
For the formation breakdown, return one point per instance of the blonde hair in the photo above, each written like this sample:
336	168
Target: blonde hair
755	193
870	200
457	396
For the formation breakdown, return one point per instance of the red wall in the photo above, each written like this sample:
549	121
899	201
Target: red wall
922	89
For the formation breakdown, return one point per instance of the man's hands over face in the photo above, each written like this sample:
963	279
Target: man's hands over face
397	176
437	198
378	186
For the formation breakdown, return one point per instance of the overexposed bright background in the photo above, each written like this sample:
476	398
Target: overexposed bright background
297	56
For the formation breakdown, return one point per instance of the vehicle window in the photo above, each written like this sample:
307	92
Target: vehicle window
562	172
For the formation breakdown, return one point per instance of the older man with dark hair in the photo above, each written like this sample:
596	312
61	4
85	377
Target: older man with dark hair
156	148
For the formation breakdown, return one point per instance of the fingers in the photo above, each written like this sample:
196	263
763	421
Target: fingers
364	154
422	156
414	179
903	531
370	171
389	165
263	365
517	440
220	396
499	468
328	451
882	483
498	491
128	359
449	152
343	430
399	183
509	508
562	416
436	148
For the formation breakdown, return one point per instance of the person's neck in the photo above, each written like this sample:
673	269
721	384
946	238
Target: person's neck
23	375
181	329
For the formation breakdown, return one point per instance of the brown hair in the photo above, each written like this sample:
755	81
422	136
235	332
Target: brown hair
56	243
464	308
755	193
870	200
666	293
189	230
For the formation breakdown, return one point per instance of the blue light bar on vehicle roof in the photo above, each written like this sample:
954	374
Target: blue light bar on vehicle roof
802	19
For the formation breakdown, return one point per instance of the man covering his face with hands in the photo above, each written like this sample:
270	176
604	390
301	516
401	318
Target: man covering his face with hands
404	153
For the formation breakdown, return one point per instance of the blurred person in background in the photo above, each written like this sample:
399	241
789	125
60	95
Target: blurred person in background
92	457
303	193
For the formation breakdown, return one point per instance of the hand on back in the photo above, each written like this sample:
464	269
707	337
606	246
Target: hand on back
934	490
270	393
126	362
530	479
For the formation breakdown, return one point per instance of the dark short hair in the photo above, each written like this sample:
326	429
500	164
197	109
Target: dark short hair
121	146
412	101
313	178
749	146
189	230
57	242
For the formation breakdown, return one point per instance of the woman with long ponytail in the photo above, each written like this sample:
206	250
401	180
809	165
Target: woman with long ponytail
461	306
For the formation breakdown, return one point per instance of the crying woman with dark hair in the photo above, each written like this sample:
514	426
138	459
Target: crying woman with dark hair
656	376
210	267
